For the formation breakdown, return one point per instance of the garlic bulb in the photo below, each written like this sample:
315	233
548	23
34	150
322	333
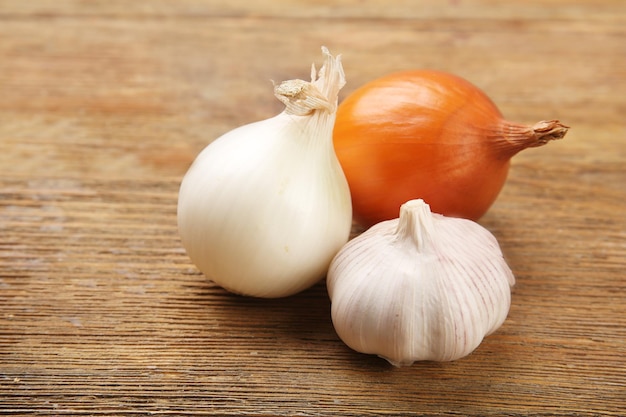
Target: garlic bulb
265	207
421	287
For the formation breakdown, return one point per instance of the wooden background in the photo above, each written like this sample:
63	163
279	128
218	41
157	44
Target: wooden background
103	106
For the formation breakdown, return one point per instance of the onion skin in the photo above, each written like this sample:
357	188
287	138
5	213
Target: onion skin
430	135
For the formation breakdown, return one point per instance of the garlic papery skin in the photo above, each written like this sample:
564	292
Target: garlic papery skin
420	287
265	207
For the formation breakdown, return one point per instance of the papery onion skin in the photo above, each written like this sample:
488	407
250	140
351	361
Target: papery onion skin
430	135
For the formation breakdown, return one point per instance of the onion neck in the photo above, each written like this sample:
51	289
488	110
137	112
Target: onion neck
517	137
302	98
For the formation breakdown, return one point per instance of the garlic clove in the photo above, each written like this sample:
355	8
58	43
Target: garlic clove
420	287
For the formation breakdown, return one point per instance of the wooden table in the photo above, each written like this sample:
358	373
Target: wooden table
103	106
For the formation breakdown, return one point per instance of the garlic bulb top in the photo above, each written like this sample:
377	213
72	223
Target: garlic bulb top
421	287
265	207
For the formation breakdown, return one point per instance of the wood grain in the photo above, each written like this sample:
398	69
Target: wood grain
103	106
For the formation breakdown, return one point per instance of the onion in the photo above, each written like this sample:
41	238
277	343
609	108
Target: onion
265	207
428	135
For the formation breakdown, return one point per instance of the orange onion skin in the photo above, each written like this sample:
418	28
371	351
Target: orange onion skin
424	134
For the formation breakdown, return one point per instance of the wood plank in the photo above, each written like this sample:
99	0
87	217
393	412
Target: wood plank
349	9
103	106
155	83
